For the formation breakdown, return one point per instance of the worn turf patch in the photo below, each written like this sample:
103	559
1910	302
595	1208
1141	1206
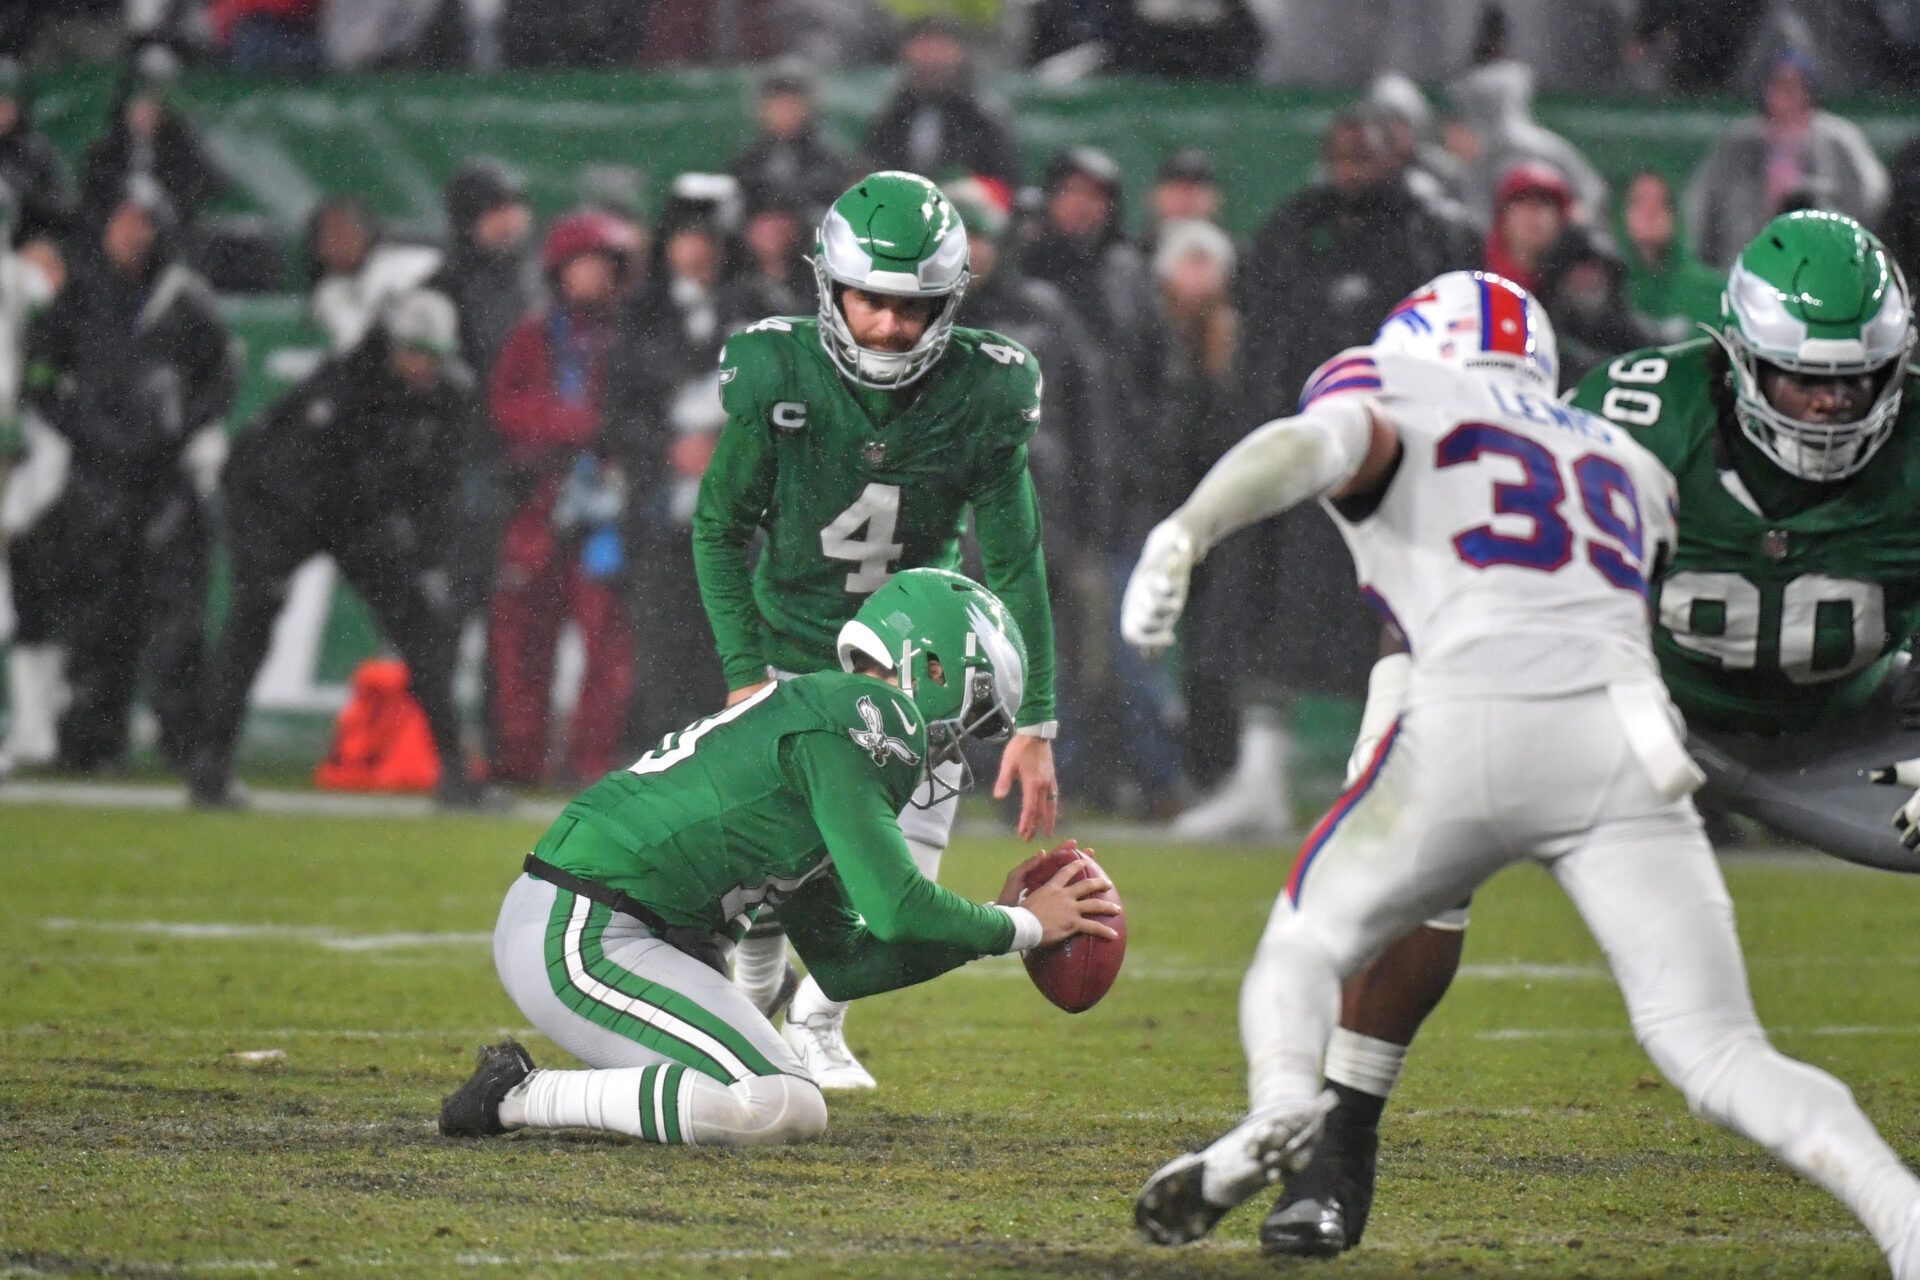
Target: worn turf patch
226	1037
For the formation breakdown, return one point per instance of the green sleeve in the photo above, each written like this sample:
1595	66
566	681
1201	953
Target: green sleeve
884	925
734	494
1006	520
845	958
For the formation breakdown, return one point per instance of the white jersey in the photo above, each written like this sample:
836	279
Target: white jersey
1513	543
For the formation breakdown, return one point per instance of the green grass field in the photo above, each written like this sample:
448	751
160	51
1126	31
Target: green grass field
143	952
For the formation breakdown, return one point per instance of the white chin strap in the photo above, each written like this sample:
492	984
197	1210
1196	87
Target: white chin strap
883	366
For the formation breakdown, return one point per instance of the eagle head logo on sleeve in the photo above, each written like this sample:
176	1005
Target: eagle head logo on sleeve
874	739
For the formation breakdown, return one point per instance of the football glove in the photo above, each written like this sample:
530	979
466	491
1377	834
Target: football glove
1157	591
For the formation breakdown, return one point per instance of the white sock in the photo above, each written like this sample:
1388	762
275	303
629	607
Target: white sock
759	962
1364	1063
811	1002
668	1104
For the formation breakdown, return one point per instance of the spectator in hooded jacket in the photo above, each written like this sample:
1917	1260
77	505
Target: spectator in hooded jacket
492	272
562	556
1430	171
1583	286
492	277
938	122
148	136
1493	130
774	278
1791	155
1081	249
353	463
792	150
133	368
1665	282
31	165
1532	207
353	273
1328	263
663	406
1072	458
1185	188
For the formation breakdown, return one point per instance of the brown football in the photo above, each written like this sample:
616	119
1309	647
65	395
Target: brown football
1074	974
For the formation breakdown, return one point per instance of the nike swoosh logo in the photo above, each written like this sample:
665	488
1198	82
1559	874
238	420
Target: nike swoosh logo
905	723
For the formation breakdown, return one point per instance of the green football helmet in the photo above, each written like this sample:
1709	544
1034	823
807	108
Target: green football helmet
924	615
1817	294
891	233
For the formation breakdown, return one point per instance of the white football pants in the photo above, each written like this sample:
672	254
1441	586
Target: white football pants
1460	789
679	1054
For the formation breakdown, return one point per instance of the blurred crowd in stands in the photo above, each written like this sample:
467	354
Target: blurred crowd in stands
510	427
1643	45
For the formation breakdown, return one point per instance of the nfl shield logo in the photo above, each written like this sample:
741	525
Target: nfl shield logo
874	451
1774	544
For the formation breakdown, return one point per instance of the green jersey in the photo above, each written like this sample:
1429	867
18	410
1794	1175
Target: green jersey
1785	600
851	484
789	797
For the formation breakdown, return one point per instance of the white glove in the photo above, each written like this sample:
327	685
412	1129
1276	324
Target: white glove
1157	591
1907	817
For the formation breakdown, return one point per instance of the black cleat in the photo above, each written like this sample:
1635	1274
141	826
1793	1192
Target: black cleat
1171	1209
473	1110
1323	1210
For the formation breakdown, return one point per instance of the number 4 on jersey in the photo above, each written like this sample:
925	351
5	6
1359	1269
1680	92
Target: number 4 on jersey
863	534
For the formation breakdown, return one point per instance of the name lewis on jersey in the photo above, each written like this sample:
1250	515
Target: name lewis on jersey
1548	413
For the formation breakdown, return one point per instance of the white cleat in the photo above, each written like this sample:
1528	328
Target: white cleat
820	1041
1190	1193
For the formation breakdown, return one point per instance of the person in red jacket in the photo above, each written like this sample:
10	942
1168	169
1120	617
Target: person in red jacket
561	555
1532	207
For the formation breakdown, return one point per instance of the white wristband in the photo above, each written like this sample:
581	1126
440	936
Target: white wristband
1026	928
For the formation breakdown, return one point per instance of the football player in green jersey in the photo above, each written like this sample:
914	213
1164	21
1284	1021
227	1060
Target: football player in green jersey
613	942
857	441
1794	433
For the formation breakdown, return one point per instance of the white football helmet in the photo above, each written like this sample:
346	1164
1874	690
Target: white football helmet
1476	320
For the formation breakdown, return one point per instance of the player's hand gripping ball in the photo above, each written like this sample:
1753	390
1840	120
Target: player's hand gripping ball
1076	973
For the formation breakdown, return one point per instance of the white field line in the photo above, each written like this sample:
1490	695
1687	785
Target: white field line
240	1035
113	795
316	935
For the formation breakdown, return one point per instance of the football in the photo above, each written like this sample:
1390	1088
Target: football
1076	973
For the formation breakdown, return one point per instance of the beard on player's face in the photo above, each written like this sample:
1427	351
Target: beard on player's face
882	322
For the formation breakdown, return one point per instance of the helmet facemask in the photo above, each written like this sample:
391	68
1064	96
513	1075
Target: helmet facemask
882	370
991	677
893	235
965	673
1817	296
1819	451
